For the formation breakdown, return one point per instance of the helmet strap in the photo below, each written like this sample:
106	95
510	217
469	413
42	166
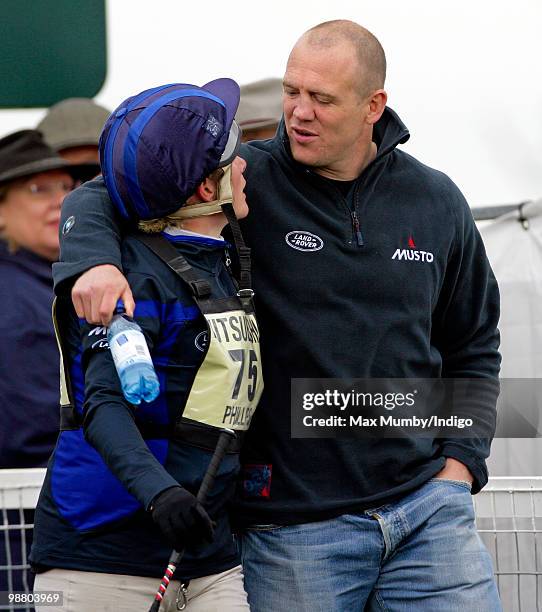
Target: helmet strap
203	209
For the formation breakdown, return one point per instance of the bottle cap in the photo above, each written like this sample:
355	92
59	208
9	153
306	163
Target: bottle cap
119	308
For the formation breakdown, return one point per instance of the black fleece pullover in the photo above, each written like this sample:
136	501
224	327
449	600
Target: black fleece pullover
344	307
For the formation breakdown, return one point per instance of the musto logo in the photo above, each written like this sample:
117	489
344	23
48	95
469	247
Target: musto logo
413	255
304	241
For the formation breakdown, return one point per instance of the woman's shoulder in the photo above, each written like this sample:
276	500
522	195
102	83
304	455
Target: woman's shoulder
23	297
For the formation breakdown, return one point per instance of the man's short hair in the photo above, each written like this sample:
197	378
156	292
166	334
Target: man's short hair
369	51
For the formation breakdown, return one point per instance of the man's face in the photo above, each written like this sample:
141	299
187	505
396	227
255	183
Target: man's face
324	109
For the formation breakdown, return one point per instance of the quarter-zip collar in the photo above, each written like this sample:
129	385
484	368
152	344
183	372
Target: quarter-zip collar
388	133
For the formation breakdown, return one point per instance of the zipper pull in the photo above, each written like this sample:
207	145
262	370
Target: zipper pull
227	261
357	230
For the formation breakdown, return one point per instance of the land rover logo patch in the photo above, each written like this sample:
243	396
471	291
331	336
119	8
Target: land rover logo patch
304	241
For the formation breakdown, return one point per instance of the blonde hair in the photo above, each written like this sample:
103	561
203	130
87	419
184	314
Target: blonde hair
155	226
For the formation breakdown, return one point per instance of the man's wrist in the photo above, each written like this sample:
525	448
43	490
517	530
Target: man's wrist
455	470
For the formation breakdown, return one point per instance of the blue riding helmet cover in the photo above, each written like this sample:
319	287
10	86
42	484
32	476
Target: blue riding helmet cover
159	145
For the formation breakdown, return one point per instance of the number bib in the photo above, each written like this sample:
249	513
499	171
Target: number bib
229	382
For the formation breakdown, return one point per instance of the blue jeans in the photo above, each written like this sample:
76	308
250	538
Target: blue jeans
420	554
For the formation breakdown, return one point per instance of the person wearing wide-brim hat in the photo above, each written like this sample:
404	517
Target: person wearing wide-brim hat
122	486
33	183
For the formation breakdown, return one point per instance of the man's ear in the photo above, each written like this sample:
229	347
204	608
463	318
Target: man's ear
207	190
377	104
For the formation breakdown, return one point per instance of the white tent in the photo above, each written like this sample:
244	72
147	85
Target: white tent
514	246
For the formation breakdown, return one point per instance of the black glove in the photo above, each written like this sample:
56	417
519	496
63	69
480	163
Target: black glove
181	518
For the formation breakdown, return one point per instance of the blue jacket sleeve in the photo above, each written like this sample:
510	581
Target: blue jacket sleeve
109	423
466	334
90	233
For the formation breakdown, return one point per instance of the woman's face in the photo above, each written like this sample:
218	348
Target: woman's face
238	183
30	212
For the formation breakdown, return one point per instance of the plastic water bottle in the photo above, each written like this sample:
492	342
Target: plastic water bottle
132	358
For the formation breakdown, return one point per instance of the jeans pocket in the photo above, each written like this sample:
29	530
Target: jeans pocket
464	484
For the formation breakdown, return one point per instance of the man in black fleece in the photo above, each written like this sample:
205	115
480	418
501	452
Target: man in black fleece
367	264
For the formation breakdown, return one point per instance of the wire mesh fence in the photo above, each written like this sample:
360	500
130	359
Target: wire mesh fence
509	520
508	517
19	490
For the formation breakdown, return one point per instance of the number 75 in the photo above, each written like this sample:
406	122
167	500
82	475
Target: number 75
239	356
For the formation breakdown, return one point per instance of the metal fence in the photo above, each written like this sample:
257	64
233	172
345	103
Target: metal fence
509	520
19	490
508	517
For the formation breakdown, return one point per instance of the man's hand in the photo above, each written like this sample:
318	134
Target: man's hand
455	470
96	292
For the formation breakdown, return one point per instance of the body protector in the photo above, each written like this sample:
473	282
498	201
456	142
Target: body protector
224	394
229	383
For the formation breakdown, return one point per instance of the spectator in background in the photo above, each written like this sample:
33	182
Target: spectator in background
33	183
260	109
73	128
